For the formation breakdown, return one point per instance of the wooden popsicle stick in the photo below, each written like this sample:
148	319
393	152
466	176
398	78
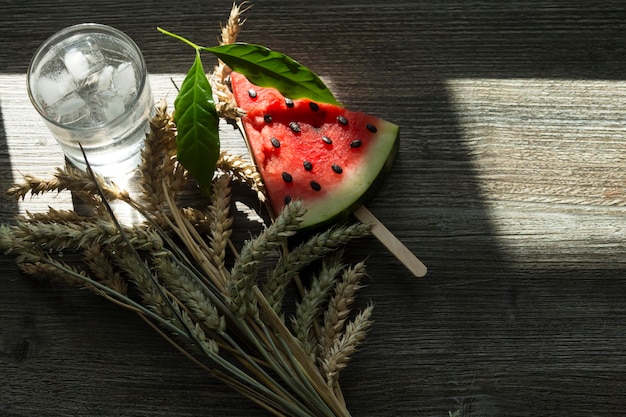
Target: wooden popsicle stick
397	248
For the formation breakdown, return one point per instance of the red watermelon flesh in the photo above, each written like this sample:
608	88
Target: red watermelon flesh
331	158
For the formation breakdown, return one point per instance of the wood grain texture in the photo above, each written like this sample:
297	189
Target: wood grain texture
510	185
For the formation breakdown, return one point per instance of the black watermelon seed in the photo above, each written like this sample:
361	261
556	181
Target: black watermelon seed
275	142
252	93
267	118
337	169
307	165
371	128
294	127
314	106
288	102
287	177
342	120
287	199
315	186
327	140
356	143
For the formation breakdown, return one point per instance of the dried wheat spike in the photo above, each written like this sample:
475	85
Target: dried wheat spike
50	273
221	223
345	346
72	179
52	216
240	293
136	274
226	105
101	267
188	290
243	171
81	234
339	308
304	321
316	247
159	158
229	34
234	24
32	260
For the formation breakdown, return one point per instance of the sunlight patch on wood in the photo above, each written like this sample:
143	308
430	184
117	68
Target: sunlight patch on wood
550	160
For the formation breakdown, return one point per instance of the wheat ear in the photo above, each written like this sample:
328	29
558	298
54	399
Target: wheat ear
99	263
52	216
220	221
226	105
158	158
244	271
339	307
80	234
344	347
67	178
304	321
242	171
187	289
316	247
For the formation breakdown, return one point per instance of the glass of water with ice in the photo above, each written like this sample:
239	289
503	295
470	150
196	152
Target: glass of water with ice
90	84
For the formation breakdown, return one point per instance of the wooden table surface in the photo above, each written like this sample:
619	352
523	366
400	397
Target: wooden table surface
510	185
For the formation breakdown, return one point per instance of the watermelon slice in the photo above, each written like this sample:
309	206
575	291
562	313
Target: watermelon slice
331	158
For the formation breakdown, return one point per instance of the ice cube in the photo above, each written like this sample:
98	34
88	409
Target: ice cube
114	107
105	106
54	82
54	87
72	110
83	59
105	77
125	81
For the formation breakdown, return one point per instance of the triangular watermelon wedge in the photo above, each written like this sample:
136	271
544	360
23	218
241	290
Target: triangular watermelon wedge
331	158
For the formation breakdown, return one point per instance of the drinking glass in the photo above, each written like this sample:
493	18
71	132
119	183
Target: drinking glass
90	84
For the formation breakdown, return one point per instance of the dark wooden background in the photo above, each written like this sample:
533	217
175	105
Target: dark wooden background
510	185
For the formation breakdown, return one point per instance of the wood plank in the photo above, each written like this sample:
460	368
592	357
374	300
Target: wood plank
510	185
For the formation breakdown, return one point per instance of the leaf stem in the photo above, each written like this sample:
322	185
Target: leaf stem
180	38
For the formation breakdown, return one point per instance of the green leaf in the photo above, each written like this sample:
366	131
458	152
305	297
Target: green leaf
198	142
267	68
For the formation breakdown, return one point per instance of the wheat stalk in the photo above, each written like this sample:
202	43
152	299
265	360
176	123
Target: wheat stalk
187	300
